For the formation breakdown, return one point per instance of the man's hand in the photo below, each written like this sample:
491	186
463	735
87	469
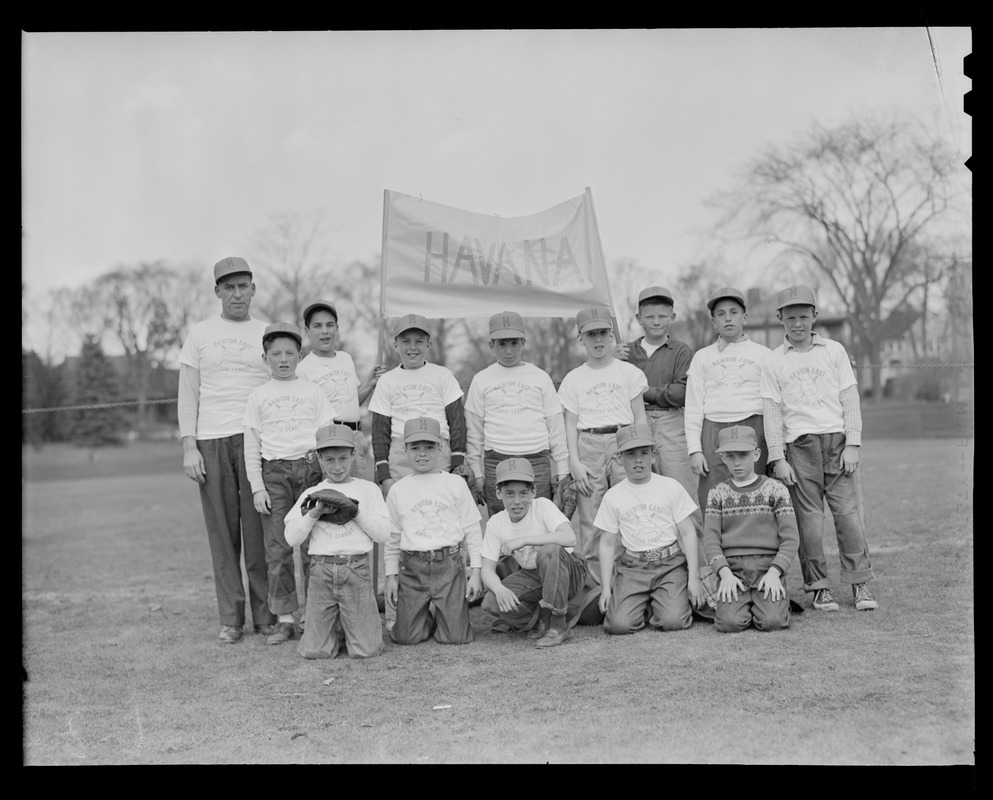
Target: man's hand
604	598
621	351
772	584
506	600
782	471
390	591
508	546
193	462
698	597
850	458
582	478
474	585
730	586
261	501
699	465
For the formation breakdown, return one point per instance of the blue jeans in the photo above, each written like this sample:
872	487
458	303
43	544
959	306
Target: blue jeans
341	592
285	480
751	608
542	476
598	453
431	598
233	525
635	584
557	576
816	460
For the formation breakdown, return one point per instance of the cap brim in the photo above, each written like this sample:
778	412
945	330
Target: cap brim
325	443
506	333
630	444
515	476
422	436
736	447
412	328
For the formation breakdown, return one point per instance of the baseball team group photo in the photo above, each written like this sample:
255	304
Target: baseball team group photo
496	496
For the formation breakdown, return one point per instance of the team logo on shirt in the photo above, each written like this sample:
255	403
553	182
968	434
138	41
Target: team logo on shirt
730	371
233	355
605	396
281	413
641	524
426	519
412	401
335	385
802	388
511	394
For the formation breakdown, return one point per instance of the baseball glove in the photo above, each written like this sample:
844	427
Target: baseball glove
565	496
340	509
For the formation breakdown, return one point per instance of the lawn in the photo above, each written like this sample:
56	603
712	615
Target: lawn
122	664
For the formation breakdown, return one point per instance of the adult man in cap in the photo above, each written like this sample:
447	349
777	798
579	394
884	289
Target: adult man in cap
220	364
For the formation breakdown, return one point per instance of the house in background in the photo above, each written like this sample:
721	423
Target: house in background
764	327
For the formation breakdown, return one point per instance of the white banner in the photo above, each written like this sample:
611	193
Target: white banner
440	261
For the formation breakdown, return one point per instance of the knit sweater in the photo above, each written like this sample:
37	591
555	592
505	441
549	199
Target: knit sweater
756	519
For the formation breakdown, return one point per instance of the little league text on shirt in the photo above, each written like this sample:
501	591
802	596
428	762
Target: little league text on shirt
525	263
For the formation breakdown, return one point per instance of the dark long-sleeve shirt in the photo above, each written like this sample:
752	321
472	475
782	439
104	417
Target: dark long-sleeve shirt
665	369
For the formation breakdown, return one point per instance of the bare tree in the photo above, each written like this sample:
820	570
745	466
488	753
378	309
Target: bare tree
852	202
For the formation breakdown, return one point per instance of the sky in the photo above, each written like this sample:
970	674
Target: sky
180	146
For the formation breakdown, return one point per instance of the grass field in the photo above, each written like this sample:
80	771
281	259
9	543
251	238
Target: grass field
122	664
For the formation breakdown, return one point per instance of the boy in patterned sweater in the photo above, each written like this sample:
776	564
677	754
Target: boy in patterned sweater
750	538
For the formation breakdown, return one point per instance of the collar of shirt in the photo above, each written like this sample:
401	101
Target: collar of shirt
641	342
814	341
722	342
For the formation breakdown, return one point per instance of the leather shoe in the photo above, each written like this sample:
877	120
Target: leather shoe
282	632
554	637
230	634
265	629
540	628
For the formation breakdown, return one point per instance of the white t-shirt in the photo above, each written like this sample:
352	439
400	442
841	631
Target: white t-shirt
355	536
228	356
645	514
542	517
404	394
287	415
601	397
513	403
339	380
808	386
723	385
429	511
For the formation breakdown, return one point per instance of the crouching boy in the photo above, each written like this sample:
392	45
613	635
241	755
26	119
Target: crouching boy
750	538
341	601
431	513
538	536
657	574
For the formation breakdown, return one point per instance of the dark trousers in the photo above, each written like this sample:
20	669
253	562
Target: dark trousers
431	599
233	525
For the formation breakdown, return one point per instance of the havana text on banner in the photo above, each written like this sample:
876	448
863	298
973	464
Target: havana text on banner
440	261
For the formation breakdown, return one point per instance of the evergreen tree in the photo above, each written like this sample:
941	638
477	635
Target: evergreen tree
96	383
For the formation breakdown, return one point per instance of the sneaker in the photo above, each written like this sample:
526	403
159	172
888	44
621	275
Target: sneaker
230	634
864	601
554	637
824	600
282	632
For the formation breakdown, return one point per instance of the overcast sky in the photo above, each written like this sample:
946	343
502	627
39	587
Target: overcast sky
179	146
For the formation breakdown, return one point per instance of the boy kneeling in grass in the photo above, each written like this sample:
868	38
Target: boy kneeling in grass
540	538
341	602
750	538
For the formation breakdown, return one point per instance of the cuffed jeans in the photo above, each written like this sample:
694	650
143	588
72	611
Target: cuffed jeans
542	476
431	599
233	524
751	608
285	479
636	583
341	592
598	453
556	577
816	461
717	472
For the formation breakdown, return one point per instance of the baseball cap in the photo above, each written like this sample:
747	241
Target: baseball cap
655	291
725	292
632	436
419	429
506	325
795	296
408	321
327	305
335	436
737	437
282	329
514	469
591	319
230	266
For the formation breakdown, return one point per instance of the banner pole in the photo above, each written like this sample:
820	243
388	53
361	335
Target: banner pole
599	245
377	551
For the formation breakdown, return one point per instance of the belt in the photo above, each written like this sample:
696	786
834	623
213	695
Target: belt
656	555
349	559
604	429
433	555
355	426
